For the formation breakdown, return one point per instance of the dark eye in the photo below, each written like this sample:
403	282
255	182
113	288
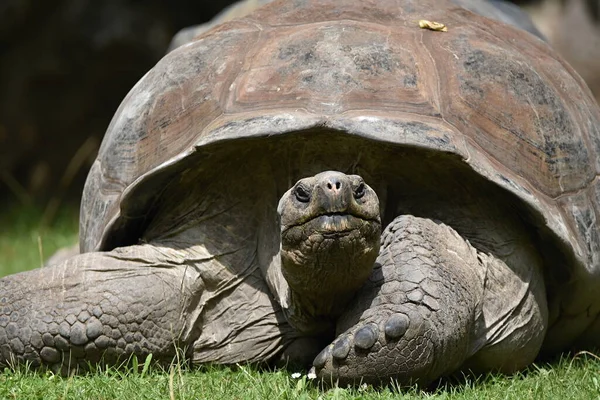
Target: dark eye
301	194
360	191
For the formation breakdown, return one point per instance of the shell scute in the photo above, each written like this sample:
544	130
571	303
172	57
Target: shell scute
510	107
332	68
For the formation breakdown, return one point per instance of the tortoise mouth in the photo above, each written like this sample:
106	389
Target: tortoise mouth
332	225
335	224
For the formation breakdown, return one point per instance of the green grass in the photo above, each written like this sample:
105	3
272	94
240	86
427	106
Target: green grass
566	379
20	237
24	243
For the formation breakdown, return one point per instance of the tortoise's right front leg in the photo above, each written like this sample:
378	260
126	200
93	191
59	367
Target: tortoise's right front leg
435	304
133	300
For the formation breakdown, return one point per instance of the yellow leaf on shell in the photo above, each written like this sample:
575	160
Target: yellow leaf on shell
432	25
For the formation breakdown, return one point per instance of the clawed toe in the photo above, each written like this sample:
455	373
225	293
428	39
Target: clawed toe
365	337
396	326
322	358
341	347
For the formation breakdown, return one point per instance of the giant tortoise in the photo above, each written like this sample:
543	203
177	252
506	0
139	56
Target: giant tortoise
324	182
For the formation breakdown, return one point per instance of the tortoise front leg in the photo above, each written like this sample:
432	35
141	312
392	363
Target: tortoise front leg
98	306
432	305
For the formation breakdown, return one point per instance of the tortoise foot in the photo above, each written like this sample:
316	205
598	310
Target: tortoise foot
378	349
413	321
366	338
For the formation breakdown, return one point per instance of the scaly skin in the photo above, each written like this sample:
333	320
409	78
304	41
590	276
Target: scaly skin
421	315
96	306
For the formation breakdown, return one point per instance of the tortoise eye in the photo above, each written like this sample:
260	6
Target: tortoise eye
301	194
360	191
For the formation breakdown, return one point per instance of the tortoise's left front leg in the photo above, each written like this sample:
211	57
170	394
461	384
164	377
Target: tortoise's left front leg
97	306
434	305
142	299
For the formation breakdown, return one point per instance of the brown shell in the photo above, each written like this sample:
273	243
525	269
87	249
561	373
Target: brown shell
496	96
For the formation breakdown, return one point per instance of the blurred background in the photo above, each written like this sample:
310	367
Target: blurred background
65	65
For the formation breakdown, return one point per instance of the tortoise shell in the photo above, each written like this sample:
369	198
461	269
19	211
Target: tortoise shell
497	97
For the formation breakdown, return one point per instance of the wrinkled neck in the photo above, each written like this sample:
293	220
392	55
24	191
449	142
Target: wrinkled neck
310	305
314	314
310	312
323	279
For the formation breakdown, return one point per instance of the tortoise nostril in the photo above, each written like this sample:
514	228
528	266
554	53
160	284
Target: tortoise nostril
337	184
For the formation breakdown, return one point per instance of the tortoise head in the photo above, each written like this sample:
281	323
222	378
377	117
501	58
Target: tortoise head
330	230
